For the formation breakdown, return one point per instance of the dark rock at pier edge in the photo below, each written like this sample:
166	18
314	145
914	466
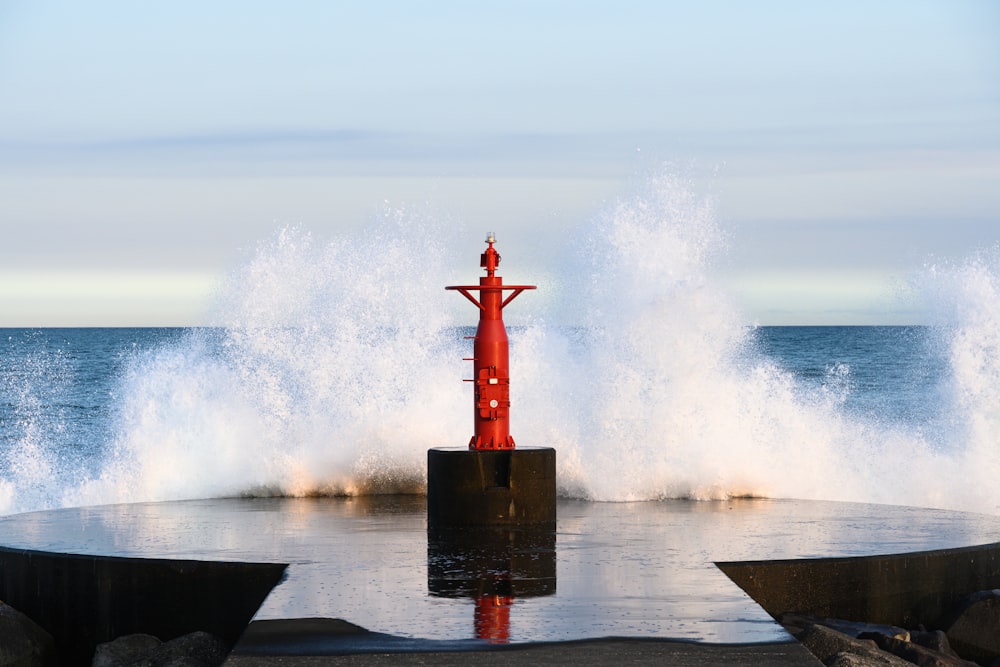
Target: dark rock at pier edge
796	623
22	642
124	650
853	644
830	645
975	630
933	639
915	653
195	649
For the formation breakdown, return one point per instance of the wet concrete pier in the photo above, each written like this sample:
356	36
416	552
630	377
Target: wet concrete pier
644	571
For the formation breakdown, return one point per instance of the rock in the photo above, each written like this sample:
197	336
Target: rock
829	645
22	642
876	660
197	649
975	632
124	650
792	621
914	653
936	641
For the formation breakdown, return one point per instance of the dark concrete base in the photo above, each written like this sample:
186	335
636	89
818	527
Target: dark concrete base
906	590
83	601
513	487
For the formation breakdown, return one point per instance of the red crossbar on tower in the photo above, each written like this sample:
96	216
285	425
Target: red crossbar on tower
491	379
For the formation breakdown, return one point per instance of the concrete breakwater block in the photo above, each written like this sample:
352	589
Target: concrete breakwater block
907	590
501	487
84	600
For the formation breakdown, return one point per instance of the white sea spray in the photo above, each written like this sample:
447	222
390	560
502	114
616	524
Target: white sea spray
338	366
331	375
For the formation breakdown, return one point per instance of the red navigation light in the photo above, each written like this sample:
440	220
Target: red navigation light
491	374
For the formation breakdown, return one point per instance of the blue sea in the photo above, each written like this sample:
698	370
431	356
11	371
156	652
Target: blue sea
333	364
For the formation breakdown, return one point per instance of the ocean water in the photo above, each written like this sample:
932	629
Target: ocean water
338	362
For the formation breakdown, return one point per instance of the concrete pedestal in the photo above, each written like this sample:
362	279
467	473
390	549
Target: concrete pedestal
511	487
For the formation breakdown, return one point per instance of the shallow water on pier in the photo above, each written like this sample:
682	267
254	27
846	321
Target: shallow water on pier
642	569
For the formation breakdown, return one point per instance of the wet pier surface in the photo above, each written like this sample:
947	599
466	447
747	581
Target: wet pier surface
638	570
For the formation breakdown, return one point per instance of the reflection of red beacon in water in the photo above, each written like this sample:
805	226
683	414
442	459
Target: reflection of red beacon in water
491	369
492	617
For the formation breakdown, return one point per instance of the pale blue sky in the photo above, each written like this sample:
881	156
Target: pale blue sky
143	145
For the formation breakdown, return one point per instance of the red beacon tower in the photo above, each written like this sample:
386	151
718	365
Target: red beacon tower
490	483
490	365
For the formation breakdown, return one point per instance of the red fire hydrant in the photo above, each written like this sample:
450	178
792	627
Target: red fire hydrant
491	400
